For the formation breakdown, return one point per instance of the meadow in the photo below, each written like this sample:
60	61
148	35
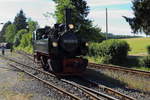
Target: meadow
138	46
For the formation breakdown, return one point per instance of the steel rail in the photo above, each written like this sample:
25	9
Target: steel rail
47	83
119	68
92	95
106	89
110	91
106	66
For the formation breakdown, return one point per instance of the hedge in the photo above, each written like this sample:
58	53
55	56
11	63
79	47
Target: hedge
145	61
148	49
112	51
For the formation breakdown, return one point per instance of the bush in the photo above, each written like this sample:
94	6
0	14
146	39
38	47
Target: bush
26	43
148	49
145	61
105	59
18	37
113	51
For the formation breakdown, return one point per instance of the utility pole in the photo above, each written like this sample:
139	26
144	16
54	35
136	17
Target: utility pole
106	24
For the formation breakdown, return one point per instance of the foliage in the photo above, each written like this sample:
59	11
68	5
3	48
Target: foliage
79	18
145	61
111	51
10	33
32	25
20	21
26	43
2	33
138	45
141	21
148	49
18	36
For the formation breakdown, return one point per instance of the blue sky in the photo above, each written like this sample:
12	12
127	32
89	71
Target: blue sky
36	8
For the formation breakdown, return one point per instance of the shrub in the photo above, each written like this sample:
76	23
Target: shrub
18	37
148	49
113	51
145	61
105	59
26	43
94	49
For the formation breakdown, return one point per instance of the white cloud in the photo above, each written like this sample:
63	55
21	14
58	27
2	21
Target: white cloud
111	13
107	2
117	23
2	1
32	8
36	8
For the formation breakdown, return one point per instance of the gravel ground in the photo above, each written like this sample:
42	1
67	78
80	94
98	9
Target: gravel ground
15	85
92	74
98	77
61	84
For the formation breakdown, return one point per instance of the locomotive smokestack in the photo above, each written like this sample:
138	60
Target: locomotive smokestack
68	15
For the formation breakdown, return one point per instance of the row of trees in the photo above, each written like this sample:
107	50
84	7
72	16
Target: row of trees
12	32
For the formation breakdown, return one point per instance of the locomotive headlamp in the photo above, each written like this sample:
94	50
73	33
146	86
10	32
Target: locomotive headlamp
71	26
86	44
54	44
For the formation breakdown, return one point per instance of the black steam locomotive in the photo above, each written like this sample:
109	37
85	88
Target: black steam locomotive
60	49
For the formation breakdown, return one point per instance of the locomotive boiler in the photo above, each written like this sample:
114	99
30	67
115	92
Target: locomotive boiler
60	49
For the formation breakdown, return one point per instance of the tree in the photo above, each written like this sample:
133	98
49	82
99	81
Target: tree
18	36
32	25
10	33
141	21
20	21
2	33
31	28
79	17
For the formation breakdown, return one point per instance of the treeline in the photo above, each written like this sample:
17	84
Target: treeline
19	32
112	36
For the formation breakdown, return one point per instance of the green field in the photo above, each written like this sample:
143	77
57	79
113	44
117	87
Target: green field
138	45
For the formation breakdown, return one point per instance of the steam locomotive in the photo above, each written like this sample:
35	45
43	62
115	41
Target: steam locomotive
59	49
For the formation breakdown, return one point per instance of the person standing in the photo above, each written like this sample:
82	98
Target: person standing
3	50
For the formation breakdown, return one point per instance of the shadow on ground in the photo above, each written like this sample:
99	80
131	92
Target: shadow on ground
101	79
132	61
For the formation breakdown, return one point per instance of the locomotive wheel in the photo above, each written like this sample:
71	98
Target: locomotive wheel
44	63
55	65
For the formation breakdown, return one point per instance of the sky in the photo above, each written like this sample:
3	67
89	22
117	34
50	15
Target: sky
36	9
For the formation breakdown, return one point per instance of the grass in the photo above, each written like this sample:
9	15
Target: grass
27	49
138	45
132	82
142	68
94	59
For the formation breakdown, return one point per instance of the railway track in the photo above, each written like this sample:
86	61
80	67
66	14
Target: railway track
87	93
118	68
97	88
104	66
